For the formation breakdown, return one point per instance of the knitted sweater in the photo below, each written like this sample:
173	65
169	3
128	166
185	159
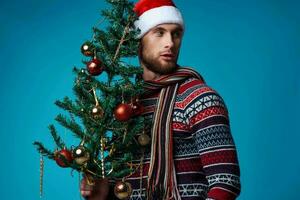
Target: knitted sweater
204	152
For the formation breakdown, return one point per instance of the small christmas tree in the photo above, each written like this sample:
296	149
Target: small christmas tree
106	115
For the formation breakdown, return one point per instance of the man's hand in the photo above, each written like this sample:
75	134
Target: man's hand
98	191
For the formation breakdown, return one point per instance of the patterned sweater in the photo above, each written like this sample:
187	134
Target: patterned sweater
204	152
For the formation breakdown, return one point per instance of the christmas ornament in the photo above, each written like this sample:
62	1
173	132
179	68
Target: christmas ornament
123	112
137	108
88	80
97	112
124	137
95	67
87	49
144	139
41	175
82	71
63	157
112	150
102	143
141	171
122	190
81	155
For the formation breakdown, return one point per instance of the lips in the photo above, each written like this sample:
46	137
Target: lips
167	56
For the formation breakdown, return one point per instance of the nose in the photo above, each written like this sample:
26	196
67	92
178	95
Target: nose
169	42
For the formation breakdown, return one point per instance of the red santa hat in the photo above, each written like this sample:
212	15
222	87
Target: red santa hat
154	12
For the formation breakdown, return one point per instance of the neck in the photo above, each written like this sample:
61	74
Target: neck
149	75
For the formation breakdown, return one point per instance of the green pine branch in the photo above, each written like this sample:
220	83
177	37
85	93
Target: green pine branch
72	126
56	137
83	95
69	106
45	152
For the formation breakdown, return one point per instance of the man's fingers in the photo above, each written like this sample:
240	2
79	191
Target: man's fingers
99	190
85	193
86	187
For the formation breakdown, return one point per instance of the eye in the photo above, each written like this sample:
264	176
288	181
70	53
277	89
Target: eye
159	33
177	34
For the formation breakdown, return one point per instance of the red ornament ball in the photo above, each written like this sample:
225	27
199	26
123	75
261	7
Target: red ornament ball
137	108
123	112
63	157
94	67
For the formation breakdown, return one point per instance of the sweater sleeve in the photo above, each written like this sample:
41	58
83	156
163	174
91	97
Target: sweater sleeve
209	123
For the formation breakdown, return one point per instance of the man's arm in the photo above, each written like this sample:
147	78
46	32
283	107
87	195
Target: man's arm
209	122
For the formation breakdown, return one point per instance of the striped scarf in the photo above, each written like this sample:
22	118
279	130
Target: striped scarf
162	183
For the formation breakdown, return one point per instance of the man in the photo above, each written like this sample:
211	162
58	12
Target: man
192	154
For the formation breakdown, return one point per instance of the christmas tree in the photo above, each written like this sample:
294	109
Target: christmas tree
106	115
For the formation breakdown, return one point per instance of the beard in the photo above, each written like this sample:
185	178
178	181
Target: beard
156	66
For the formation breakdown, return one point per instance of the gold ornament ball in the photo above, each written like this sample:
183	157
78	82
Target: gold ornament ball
81	155
122	190
87	49
97	112
144	139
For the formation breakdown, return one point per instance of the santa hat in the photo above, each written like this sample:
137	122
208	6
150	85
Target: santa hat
154	12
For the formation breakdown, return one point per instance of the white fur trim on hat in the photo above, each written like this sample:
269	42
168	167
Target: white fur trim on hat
157	16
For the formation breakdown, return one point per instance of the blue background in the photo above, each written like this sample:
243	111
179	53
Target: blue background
247	50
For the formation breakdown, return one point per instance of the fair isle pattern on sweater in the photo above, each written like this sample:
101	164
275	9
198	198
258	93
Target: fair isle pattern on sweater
204	151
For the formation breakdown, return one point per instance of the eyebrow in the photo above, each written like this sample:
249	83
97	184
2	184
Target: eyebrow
163	29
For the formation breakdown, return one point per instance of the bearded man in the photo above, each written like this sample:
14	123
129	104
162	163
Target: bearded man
192	154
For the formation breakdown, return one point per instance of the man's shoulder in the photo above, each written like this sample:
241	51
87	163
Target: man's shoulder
192	85
195	90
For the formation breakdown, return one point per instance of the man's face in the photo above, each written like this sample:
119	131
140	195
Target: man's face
160	48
